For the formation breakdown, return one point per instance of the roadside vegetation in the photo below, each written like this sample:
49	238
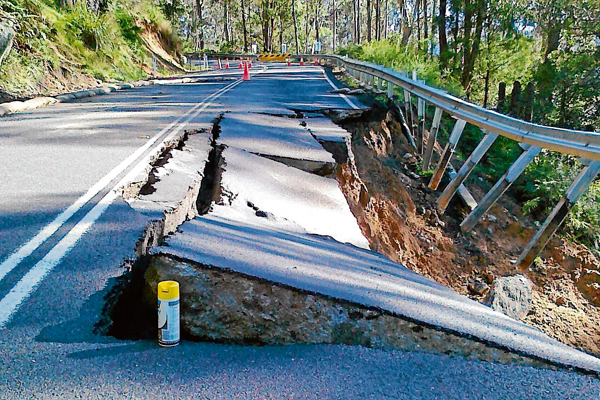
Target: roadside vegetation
518	59
68	41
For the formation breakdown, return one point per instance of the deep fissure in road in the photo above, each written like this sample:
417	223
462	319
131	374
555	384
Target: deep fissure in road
165	156
124	315
146	186
210	189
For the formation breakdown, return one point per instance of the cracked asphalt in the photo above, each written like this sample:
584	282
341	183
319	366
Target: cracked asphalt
52	156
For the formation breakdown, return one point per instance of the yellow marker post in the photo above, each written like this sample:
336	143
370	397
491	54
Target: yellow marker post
168	314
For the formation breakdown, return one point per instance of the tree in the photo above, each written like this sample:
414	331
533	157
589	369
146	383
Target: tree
295	26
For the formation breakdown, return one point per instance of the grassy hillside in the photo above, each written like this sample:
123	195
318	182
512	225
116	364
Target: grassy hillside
57	47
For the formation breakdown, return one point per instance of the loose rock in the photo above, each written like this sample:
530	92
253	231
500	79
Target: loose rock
478	288
511	295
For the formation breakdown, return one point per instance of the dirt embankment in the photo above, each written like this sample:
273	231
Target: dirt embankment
397	213
71	76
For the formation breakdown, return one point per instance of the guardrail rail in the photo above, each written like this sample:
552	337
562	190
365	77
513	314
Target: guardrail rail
532	138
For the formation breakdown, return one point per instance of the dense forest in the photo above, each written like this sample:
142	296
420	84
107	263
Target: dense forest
474	44
538	60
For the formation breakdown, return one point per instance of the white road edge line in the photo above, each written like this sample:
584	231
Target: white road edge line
28	248
11	302
343	96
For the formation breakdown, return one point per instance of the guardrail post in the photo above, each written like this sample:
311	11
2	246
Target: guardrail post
459	127
435	127
559	214
499	188
465	170
390	90
410	115
421	122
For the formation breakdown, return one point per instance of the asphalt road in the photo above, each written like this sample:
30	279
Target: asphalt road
50	158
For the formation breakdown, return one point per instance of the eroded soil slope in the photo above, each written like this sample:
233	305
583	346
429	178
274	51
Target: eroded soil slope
397	213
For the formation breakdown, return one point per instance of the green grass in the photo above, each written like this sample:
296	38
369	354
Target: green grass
106	45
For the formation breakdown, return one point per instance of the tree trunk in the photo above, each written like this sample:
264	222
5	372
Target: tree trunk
515	99
225	22
406	28
244	28
271	27
306	28
377	20
443	39
425	24
486	89
295	26
418	20
281	33
199	6
501	97
369	21
265	25
472	49
317	36
528	102
386	21
358	19
333	27
552	38
455	29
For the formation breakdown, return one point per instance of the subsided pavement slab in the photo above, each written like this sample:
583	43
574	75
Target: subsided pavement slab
271	135
312	202
325	266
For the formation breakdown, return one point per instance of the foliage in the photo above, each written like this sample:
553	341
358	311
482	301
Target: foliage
394	54
50	37
544	183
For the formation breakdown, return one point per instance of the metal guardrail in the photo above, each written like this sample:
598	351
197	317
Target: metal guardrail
578	143
532	137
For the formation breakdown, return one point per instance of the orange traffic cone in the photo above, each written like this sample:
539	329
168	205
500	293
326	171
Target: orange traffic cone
227	63
246	76
316	61
301	61
249	63
241	63
289	64
218	64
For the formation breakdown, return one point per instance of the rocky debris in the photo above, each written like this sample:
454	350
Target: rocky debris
587	276
511	295
409	158
343	90
356	92
488	277
478	288
339	115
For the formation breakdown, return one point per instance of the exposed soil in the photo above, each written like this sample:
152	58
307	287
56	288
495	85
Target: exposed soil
397	213
63	80
68	77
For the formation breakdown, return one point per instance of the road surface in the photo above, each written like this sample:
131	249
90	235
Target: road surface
64	234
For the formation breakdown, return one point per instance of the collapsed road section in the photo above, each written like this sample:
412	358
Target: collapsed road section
274	256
